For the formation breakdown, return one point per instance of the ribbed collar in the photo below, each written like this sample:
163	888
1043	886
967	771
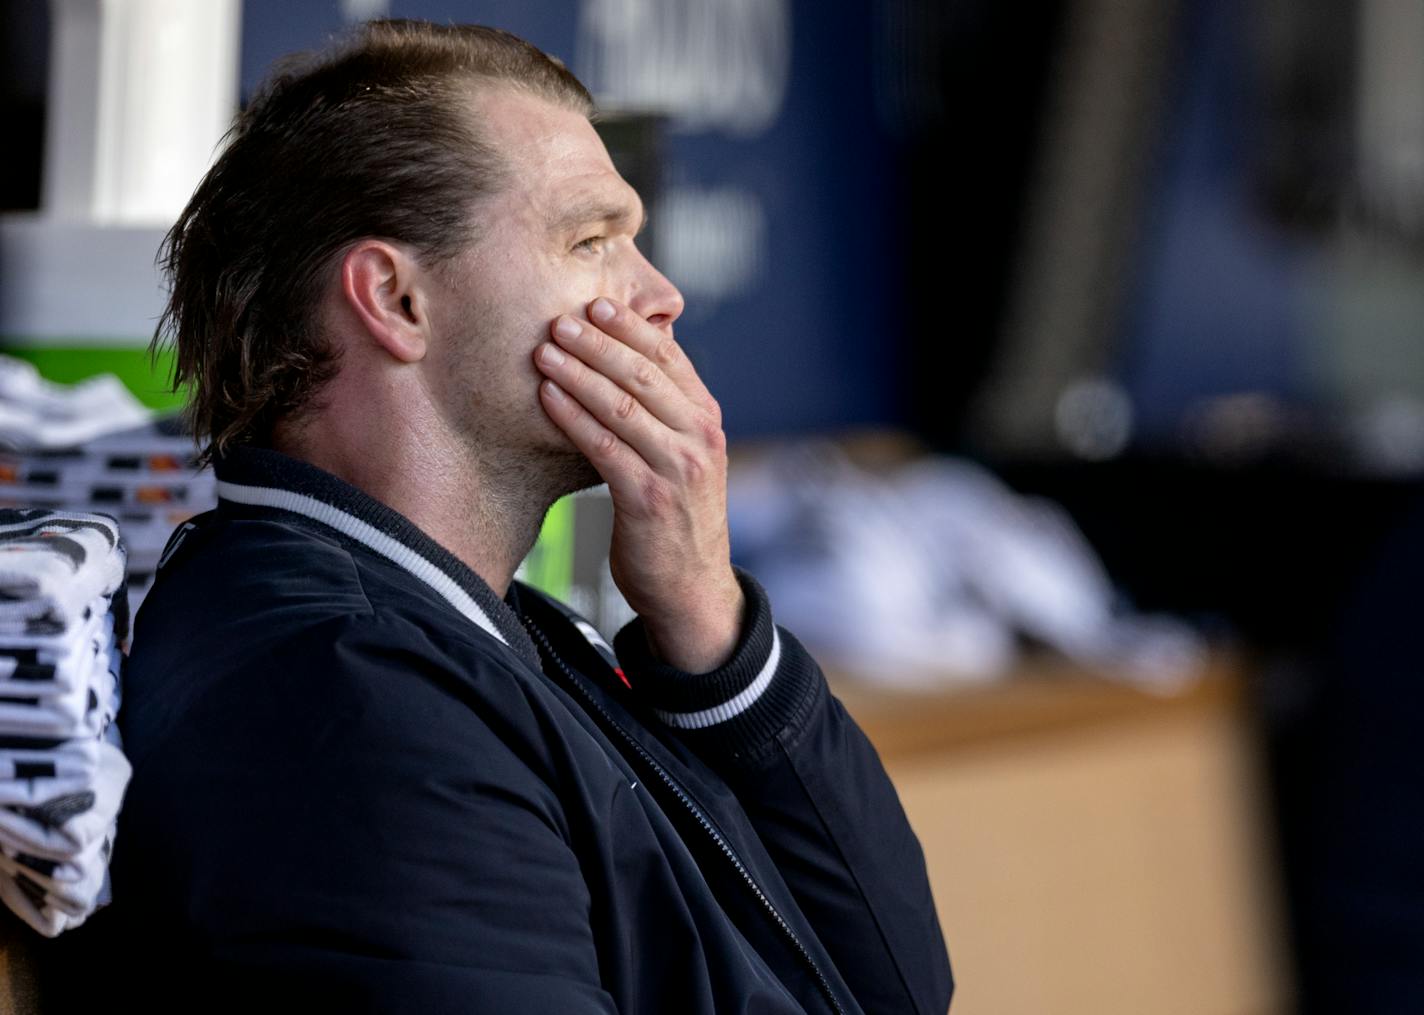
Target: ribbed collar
258	478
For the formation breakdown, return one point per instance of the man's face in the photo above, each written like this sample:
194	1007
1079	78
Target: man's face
557	236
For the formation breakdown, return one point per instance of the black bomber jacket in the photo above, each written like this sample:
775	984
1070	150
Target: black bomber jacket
363	780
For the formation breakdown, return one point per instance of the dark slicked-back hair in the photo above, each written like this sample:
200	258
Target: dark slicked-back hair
371	138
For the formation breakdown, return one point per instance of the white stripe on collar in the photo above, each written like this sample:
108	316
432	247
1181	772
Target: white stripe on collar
367	535
733	707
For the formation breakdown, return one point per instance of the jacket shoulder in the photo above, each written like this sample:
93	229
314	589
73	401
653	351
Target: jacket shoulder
241	599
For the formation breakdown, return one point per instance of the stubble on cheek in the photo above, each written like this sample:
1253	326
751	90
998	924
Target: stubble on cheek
522	289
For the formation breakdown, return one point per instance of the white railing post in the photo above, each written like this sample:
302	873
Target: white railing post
141	92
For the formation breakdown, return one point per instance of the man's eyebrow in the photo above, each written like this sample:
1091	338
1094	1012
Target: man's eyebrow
596	211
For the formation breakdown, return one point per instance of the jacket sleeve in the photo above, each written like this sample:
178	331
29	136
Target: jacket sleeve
819	799
306	832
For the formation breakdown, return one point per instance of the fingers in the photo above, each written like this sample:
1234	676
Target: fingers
630	371
614	460
655	345
613	407
626	378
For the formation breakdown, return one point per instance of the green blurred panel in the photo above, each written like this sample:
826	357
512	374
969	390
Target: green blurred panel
66	364
550	565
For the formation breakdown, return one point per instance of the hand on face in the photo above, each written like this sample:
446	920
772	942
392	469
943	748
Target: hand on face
628	398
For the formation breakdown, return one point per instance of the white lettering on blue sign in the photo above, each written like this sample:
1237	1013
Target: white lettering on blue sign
710	64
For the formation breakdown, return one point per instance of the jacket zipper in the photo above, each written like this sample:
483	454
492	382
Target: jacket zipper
703	821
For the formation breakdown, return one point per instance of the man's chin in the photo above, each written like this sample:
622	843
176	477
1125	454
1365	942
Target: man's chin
570	471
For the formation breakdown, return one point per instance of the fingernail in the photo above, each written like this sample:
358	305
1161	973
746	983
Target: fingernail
567	327
550	354
553	391
601	310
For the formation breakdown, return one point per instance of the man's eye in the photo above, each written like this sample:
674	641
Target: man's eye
592	244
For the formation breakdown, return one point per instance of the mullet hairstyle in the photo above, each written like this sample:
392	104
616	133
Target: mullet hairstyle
372	138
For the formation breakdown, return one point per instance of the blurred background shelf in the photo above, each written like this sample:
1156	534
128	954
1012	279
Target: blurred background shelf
1041	697
1092	849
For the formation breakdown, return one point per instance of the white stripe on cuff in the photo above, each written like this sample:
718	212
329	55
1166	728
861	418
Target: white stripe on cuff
735	706
368	535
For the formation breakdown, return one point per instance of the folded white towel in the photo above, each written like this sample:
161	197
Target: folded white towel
36	413
55	664
31	903
53	565
22	522
67	826
34	772
70	886
76	696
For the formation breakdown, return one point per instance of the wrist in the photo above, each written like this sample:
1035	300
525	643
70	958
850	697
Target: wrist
702	638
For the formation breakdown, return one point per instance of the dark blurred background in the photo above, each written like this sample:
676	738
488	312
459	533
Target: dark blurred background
1162	262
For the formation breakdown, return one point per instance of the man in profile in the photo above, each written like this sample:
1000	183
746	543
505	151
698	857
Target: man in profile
370	768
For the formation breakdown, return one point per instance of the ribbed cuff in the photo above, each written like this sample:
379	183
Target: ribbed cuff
736	711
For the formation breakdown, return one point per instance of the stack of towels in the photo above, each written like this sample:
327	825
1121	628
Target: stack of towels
63	623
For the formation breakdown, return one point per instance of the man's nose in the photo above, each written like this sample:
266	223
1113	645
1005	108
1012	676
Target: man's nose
654	298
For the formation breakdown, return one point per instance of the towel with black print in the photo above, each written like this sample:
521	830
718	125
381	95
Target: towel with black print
62	686
36	770
26	895
55	663
67	826
69	886
53	565
54	855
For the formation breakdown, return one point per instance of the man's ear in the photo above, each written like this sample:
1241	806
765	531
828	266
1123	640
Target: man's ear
384	286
